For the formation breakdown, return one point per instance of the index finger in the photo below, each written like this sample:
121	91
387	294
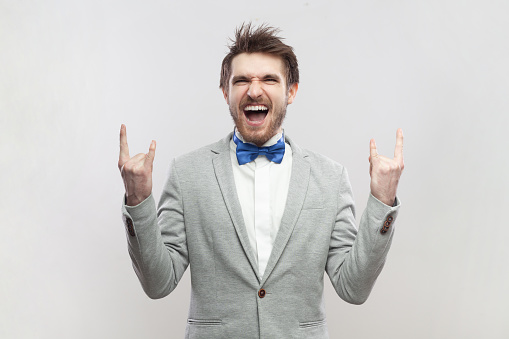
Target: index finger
372	149
124	149
398	150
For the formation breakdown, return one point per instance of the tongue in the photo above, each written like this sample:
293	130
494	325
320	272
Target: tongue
256	116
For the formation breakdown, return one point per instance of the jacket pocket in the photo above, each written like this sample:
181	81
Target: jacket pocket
205	329
204	322
310	324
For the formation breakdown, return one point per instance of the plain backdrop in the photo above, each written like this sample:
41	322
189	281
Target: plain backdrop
71	72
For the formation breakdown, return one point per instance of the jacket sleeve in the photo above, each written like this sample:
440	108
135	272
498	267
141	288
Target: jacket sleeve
157	240
356	257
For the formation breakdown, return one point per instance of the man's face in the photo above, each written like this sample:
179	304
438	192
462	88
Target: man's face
257	95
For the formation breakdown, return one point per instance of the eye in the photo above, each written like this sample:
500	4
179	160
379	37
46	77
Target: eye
270	81
240	82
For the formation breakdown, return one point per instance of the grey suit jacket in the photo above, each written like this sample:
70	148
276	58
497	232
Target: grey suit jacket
199	223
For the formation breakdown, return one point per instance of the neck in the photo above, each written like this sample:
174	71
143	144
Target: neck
269	142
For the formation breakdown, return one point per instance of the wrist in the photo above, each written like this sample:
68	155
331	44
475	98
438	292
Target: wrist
133	200
386	200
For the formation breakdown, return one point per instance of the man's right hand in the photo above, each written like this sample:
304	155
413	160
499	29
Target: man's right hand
136	171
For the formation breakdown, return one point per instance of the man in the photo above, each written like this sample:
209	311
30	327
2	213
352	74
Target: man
258	226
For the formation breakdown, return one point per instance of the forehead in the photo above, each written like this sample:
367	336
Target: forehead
257	64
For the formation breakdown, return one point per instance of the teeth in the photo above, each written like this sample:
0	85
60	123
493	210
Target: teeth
256	108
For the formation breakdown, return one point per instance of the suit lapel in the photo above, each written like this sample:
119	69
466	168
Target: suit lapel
296	194
224	174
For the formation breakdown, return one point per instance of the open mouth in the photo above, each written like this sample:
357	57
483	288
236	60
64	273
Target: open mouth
255	114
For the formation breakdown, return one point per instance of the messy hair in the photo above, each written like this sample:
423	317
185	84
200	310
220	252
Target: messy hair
263	39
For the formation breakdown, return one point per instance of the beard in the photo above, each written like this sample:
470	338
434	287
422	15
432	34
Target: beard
258	135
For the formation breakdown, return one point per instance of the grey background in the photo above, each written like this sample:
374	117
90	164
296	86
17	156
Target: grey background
71	72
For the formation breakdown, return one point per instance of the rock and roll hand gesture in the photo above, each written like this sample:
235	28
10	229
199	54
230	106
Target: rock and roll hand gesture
136	171
385	172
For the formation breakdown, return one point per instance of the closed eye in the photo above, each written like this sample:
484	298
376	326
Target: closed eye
240	80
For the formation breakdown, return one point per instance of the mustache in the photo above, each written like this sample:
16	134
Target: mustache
248	102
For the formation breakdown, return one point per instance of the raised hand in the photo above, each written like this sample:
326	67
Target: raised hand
136	171
385	172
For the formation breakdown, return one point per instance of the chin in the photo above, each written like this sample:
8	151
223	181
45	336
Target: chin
255	136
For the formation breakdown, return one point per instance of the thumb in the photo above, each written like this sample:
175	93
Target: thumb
151	154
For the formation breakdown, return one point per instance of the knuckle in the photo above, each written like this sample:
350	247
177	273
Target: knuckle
127	168
384	168
137	171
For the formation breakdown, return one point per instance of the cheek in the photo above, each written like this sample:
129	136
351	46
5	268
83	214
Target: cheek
235	99
278	96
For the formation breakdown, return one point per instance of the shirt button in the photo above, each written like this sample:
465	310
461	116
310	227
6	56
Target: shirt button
261	293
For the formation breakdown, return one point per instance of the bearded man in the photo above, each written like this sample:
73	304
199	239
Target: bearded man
258	219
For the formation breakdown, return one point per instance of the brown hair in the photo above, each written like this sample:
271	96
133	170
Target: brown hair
263	39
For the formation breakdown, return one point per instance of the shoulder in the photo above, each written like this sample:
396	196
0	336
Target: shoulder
318	162
322	160
325	171
328	179
202	156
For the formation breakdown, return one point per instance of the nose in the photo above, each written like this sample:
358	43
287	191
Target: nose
255	89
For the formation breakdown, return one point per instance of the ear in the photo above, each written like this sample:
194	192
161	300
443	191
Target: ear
225	94
292	92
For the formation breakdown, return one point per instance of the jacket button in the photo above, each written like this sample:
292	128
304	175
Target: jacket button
387	224
130	227
261	293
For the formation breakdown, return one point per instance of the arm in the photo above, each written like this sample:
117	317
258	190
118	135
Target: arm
156	240
356	258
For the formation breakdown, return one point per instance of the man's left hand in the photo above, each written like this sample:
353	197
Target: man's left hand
385	172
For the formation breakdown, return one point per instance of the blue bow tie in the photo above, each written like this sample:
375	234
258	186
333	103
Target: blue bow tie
248	152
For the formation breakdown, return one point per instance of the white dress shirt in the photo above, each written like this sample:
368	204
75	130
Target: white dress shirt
262	188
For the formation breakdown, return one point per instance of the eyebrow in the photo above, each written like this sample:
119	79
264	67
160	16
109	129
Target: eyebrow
273	76
266	76
238	77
